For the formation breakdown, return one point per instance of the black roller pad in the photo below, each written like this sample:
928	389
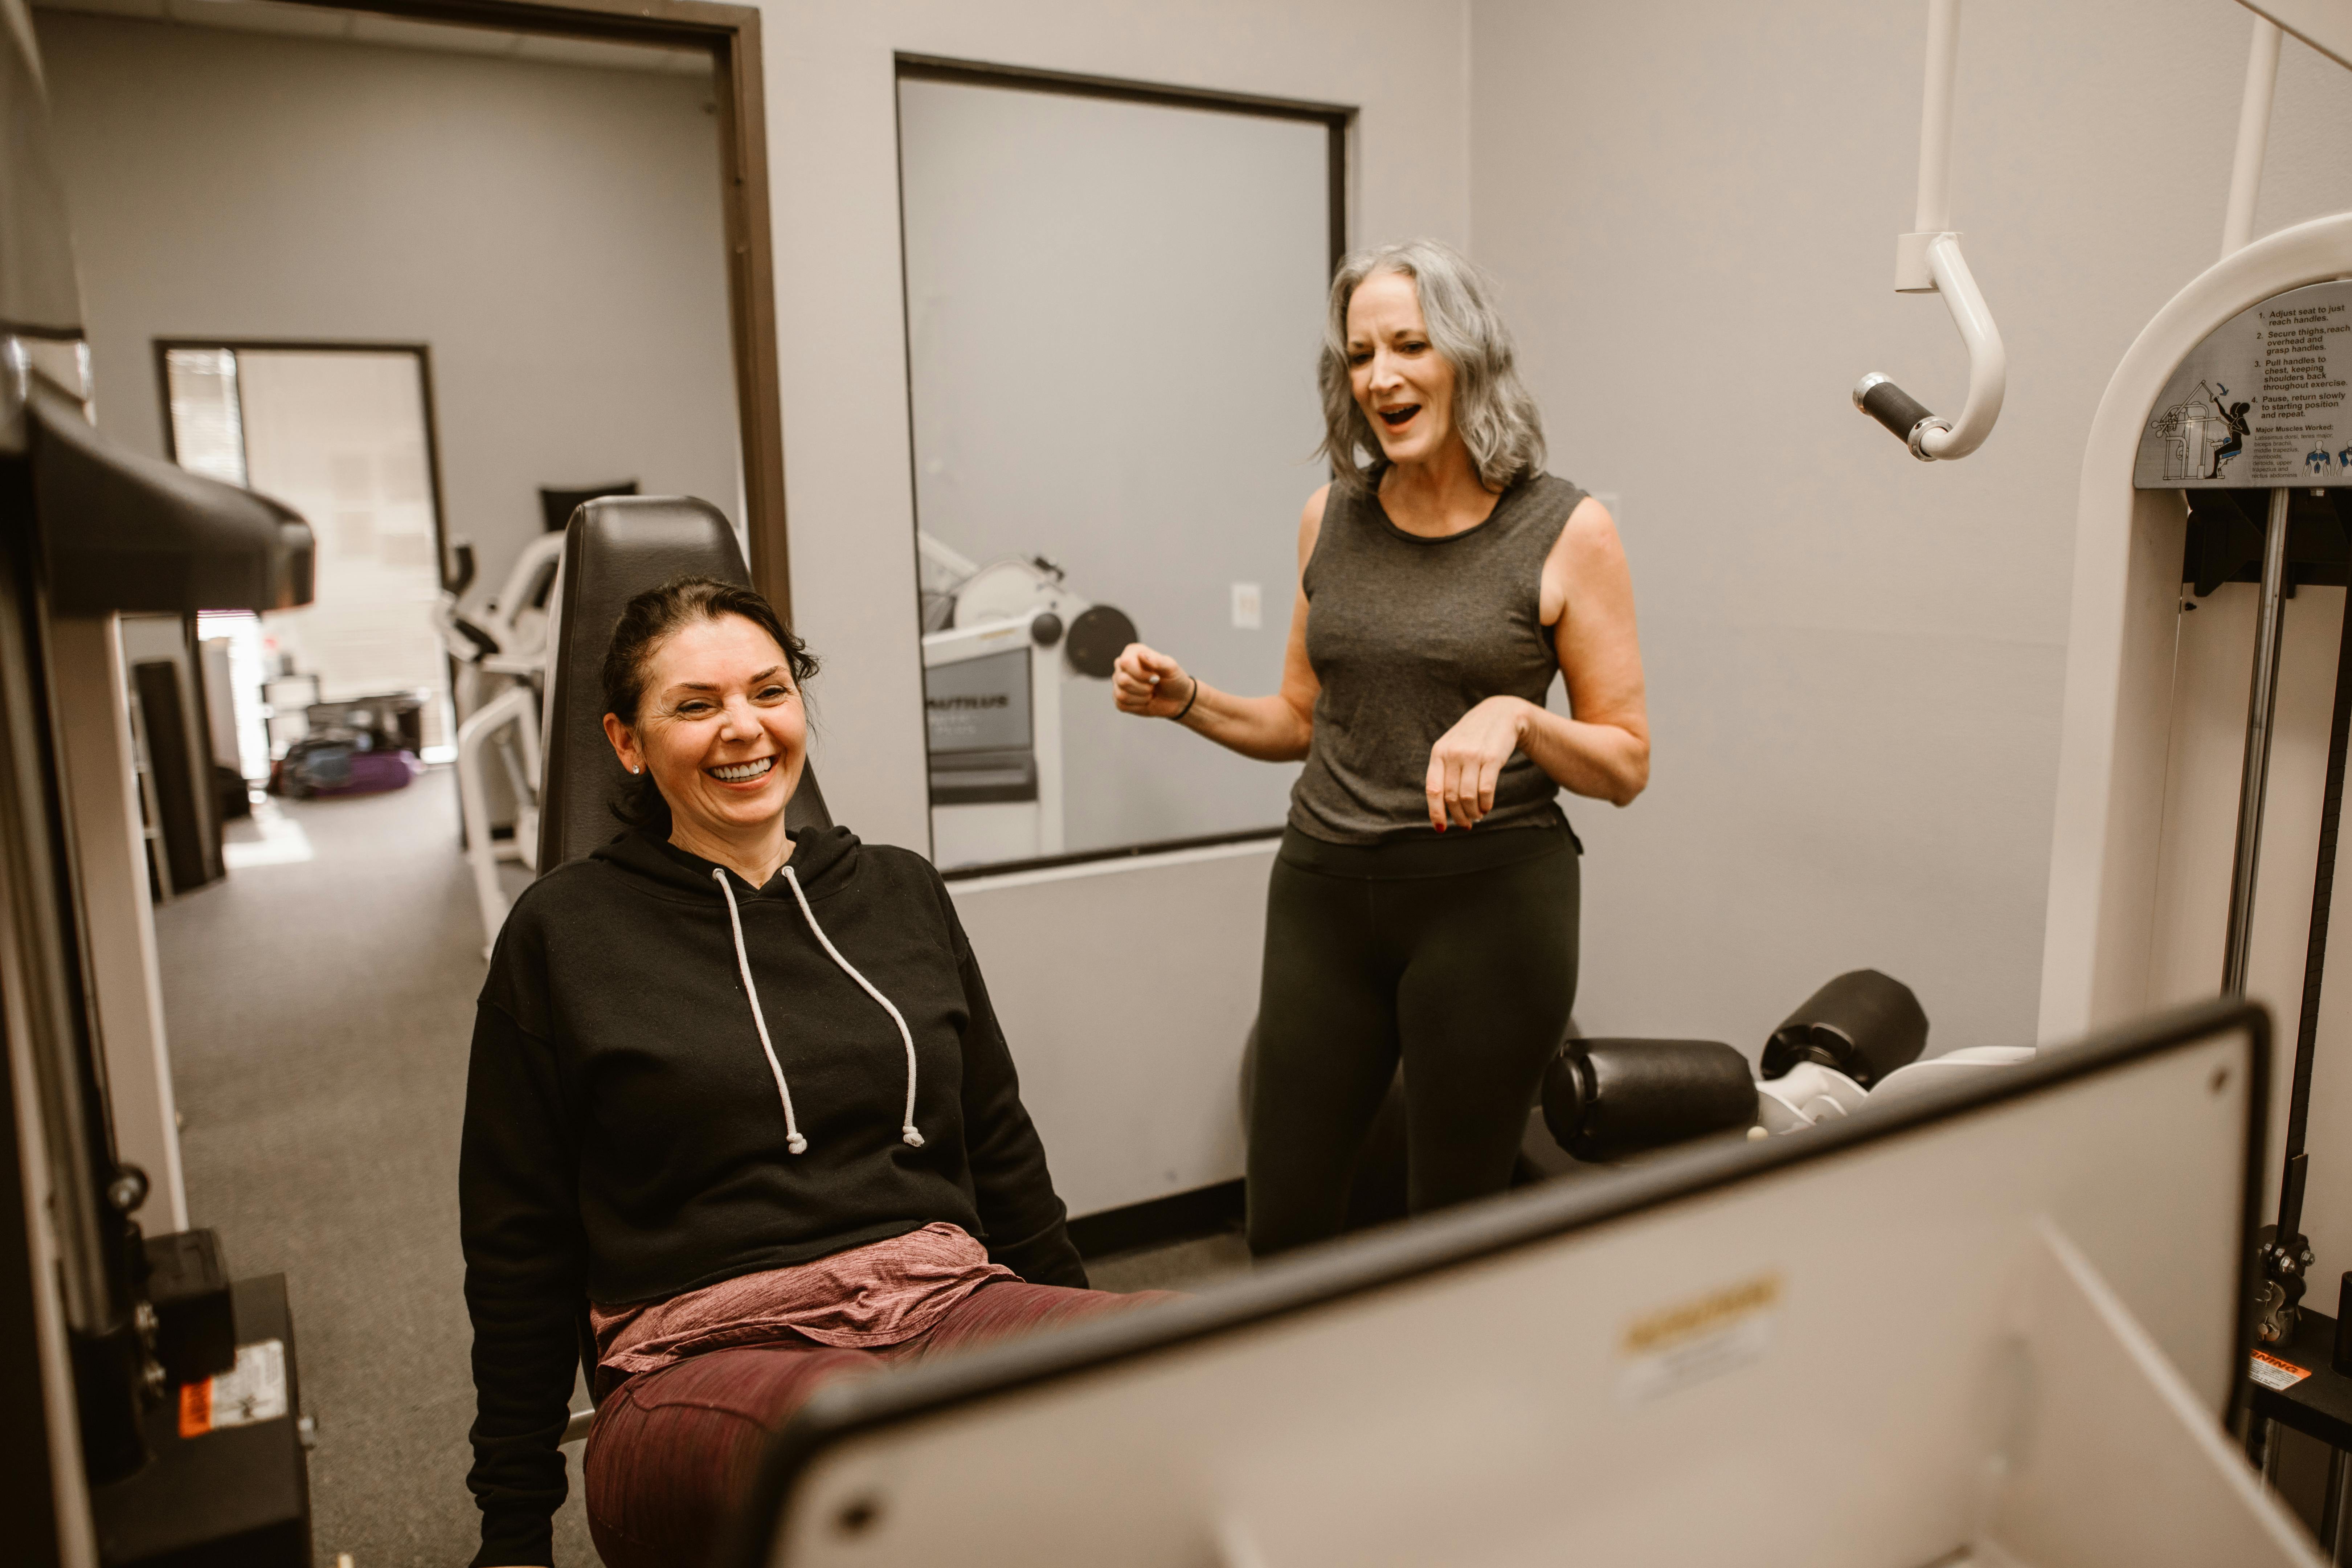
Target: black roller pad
1607	1099
1864	1024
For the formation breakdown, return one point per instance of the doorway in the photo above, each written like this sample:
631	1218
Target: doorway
344	435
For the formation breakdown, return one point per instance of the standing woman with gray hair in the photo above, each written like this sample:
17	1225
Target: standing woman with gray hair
1423	905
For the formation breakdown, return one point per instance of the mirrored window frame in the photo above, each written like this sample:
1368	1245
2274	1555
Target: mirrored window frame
996	761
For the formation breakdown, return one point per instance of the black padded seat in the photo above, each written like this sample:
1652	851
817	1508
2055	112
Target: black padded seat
616	548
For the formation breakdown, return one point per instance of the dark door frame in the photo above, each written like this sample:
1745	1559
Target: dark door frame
1338	120
1335	119
730	36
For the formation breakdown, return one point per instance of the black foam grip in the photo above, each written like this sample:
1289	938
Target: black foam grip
1604	1100
1864	1024
1895	408
485	645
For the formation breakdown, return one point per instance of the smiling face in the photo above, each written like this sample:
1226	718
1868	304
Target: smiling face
1402	383
721	728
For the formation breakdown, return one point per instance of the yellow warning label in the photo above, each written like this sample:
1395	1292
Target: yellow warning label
1701	1315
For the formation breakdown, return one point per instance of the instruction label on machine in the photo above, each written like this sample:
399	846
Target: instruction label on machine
252	1391
2273	1372
1698	1340
2260	404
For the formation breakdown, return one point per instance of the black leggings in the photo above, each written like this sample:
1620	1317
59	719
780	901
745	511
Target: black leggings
1457	958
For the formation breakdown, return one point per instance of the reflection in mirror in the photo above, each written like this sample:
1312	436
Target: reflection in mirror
1113	308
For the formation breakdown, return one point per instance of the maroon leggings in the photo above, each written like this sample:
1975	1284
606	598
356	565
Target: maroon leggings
674	1451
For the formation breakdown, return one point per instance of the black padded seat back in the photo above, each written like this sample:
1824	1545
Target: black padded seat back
616	548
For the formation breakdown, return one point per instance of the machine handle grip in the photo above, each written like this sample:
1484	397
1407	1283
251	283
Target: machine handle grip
485	645
1901	413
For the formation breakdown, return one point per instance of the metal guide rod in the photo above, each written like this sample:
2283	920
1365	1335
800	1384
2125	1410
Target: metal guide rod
1935	207
2260	702
2314	955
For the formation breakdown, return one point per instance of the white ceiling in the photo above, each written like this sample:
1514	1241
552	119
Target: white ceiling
362	27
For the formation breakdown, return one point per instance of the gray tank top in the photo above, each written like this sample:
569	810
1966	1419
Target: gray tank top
1408	634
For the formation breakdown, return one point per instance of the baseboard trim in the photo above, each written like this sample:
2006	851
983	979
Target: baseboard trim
1205	1211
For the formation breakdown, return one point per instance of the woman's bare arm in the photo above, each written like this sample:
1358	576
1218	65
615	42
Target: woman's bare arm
1272	729
1604	751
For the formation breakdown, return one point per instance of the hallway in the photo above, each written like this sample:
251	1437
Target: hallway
320	1011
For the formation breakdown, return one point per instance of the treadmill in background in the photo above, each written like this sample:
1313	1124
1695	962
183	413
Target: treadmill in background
113	1344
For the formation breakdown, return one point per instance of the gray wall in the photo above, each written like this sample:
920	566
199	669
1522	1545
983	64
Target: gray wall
1114	312
1855	659
551	231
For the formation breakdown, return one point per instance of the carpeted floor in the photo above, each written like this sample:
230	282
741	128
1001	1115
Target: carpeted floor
319	1013
320	1001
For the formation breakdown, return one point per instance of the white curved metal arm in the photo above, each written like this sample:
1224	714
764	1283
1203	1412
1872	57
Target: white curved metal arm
1988	360
1928	259
518	706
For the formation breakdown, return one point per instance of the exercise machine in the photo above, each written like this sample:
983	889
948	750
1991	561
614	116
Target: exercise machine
1995	1321
498	648
1859	1040
155	1398
2214	457
999	641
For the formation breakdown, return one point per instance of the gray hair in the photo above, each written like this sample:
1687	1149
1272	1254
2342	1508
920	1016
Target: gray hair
1493	410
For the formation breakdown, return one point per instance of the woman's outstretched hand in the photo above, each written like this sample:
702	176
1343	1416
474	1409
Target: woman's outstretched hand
1148	682
1469	758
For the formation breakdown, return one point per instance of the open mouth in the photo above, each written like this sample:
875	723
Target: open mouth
741	773
1394	417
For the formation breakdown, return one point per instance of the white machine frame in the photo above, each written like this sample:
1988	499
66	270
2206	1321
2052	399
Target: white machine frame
1995	1322
506	724
978	833
999	608
2108	849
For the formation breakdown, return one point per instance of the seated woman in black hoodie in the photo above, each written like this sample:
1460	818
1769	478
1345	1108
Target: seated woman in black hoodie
739	1095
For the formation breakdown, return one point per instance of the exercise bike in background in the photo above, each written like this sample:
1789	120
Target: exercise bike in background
498	650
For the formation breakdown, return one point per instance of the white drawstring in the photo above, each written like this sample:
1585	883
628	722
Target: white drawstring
792	1138
914	1140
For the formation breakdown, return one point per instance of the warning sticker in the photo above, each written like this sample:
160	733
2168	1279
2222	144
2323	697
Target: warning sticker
1695	1341
2273	1372
252	1391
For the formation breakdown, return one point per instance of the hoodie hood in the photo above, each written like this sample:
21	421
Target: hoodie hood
823	860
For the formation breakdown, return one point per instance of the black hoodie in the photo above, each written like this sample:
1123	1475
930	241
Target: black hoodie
626	1133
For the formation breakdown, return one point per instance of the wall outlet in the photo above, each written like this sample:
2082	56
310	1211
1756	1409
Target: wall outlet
1247	613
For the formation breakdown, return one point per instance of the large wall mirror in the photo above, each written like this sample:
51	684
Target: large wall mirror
1114	300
